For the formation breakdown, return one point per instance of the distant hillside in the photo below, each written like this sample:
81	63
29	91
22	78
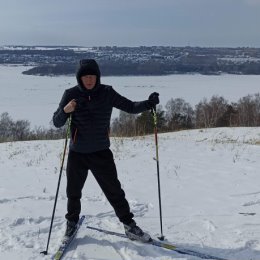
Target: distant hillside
154	60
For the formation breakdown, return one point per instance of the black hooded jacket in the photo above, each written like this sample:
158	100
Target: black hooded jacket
91	119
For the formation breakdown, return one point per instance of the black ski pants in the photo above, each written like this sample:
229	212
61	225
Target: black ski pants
102	165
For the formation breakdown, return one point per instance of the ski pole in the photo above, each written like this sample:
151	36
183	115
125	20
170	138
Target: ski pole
158	169
58	186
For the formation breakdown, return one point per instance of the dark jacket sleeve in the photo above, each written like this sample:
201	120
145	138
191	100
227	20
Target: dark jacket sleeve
60	117
127	105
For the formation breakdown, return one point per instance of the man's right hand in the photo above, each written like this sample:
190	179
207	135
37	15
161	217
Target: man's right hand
70	107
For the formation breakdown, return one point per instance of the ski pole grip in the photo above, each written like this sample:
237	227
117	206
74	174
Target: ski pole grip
153	109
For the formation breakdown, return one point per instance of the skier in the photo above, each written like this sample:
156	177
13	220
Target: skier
90	103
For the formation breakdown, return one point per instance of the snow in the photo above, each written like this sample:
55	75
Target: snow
35	98
209	177
209	182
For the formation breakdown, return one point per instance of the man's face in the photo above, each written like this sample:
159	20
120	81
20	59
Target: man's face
89	81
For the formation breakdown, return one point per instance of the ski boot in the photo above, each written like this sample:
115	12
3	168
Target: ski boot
134	232
70	229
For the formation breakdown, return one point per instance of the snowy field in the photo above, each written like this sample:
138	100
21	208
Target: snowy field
210	197
35	98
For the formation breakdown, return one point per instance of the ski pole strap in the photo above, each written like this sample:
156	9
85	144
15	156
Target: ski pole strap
62	156
67	134
153	111
68	128
154	115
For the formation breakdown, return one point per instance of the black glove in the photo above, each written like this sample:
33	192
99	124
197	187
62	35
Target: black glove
153	99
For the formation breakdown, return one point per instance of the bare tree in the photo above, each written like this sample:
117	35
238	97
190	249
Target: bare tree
229	117
207	113
21	130
6	124
124	125
249	110
179	114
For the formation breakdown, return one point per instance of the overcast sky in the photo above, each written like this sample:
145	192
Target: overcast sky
214	23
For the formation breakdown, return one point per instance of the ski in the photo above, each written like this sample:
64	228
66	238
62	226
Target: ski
247	213
66	241
161	244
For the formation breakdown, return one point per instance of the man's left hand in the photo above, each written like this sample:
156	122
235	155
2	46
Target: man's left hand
153	99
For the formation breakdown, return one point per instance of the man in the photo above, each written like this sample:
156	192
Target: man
90	104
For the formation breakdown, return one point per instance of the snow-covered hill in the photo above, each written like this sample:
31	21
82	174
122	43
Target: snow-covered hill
210	197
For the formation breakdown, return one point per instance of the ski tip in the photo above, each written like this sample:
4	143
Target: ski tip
247	213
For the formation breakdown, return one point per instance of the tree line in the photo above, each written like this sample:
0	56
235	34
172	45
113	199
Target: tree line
177	115
20	130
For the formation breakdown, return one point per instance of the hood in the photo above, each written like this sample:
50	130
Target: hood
87	67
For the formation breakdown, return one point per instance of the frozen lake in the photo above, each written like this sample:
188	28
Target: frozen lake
35	98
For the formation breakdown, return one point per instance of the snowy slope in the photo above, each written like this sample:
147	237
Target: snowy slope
209	180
